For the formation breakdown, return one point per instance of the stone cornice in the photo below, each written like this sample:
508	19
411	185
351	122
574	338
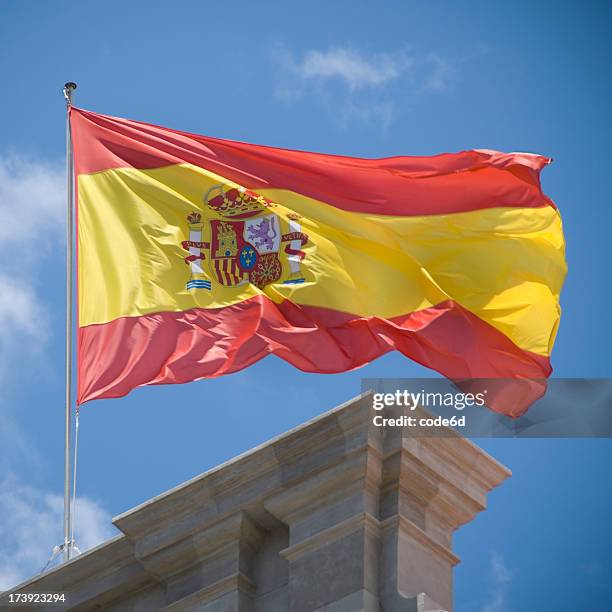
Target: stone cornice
231	583
372	526
166	558
293	500
409	528
359	521
103	573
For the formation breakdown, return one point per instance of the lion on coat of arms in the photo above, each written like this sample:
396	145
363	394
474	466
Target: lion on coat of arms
245	245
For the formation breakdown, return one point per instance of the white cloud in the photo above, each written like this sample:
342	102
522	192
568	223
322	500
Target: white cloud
32	201
31	234
500	577
24	325
356	70
356	87
31	525
439	73
19	308
381	114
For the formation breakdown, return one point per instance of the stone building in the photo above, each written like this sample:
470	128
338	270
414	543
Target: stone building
334	516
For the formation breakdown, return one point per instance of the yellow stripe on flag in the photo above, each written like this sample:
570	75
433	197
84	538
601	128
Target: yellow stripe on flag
504	264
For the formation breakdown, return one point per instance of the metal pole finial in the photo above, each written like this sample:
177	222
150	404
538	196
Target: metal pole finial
69	87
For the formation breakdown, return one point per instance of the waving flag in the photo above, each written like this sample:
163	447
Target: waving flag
199	256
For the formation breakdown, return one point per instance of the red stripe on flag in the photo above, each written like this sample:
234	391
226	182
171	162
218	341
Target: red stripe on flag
178	347
400	186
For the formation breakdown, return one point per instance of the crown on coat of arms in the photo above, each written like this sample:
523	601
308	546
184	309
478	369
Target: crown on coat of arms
236	202
194	217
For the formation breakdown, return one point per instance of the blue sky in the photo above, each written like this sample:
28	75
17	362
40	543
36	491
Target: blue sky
370	79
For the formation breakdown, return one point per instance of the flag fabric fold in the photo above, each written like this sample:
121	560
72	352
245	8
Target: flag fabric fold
199	256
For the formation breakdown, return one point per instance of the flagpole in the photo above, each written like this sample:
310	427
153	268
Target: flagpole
68	89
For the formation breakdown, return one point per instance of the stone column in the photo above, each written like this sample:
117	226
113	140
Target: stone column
333	550
209	568
431	486
374	529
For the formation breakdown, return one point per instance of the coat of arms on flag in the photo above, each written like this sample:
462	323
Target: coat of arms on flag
244	242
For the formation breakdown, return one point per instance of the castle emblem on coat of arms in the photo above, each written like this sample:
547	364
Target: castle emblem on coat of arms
244	242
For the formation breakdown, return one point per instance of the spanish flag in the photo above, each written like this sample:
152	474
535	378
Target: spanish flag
199	256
